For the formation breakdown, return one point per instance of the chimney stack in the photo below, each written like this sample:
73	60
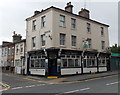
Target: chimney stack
36	12
84	13
16	37
69	7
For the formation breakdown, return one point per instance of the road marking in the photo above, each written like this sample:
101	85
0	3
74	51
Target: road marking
6	87
112	83
84	89
72	91
16	88
40	84
30	86
77	90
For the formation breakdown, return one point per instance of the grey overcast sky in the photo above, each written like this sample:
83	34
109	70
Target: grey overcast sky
14	12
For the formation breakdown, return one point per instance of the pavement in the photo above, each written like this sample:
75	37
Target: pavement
90	76
67	79
106	82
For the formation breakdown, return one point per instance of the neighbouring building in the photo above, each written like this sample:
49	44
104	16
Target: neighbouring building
4	52
8	52
19	59
115	62
59	42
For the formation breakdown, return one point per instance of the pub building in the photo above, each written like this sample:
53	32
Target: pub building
59	42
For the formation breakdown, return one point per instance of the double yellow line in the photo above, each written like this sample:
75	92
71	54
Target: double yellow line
5	86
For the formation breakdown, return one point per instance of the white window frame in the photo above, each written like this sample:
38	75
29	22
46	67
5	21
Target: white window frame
43	21
73	23
33	42
43	42
21	48
34	25
62	21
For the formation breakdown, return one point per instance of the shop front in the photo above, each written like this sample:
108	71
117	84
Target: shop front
58	62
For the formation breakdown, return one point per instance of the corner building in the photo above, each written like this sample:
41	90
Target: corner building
59	42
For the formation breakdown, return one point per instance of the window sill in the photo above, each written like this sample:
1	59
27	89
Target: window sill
73	29
33	30
74	47
88	32
63	26
63	46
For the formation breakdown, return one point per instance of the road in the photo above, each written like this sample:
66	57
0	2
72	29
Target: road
100	85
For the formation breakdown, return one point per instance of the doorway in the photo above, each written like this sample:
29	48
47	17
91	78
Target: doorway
52	66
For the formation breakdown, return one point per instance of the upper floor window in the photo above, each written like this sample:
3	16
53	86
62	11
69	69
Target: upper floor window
33	42
73	23
103	44
5	51
2	51
12	50
73	40
102	31
62	21
88	27
43	40
34	25
62	39
17	50
8	51
43	21
89	43
21	48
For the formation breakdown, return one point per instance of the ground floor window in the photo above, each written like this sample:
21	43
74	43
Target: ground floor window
70	61
89	61
102	61
18	63
37	61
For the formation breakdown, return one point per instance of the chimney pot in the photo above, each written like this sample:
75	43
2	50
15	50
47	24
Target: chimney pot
36	12
69	7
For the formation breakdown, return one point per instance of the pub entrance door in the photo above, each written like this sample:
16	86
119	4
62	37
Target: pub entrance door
52	66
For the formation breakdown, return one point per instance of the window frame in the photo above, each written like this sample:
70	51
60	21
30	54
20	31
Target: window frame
62	21
73	41
88	28
43	40
102	45
102	31
89	43
43	21
21	48
33	42
34	25
62	39
73	23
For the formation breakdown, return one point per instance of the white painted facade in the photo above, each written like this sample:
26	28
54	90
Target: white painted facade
36	34
52	29
19	52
